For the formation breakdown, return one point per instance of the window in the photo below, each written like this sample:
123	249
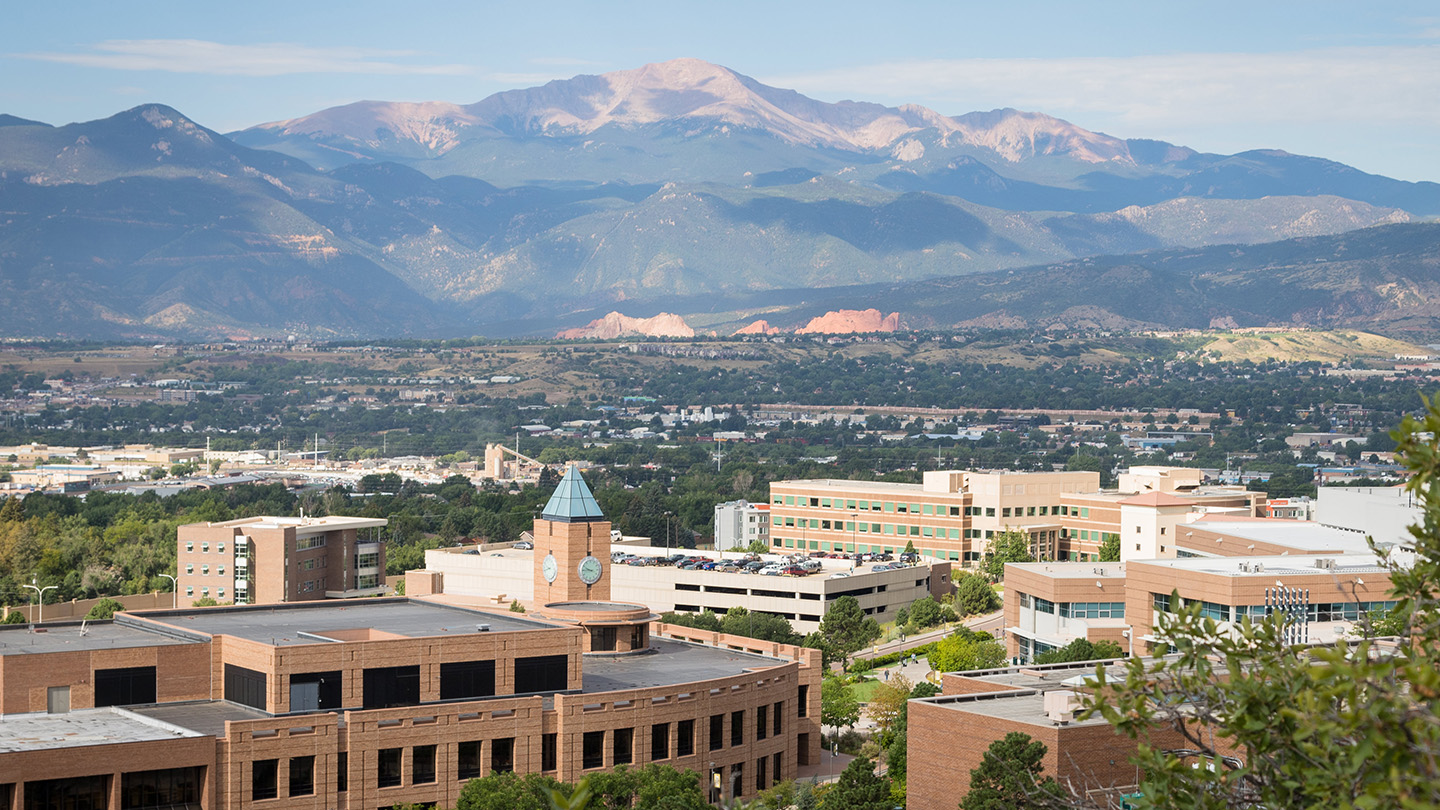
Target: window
737	727
264	779
220	547
542	673
778	714
502	755
302	775
717	732
342	772
204	570
391	686
220	570
467	679
761	722
189	590
593	750
775	763
169	787
659	742
205	548
1044	605
685	738
204	592
422	764
624	745
387	771
802	706
467	760
189	546
1161	602
549	759
303	543
124	687
760	774
189	568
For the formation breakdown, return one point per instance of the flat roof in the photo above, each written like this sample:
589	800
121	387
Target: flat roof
1073	570
841	483
204	717
1020	707
1301	535
328	523
20	639
43	732
669	662
1271	566
308	622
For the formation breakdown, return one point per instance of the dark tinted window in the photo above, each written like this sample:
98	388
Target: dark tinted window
548	744
502	755
388	770
660	741
245	686
302	776
467	679
624	745
264	779
542	673
717	731
593	752
392	686
172	786
422	764
467	760
685	738
123	687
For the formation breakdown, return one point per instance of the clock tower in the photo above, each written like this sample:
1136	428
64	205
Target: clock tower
572	545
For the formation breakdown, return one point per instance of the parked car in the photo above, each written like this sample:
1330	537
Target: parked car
795	571
773	570
525	545
840	575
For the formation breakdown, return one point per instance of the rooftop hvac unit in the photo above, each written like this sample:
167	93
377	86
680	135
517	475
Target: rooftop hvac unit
1060	706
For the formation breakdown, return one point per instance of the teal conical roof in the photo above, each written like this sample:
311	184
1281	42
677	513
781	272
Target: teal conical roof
572	501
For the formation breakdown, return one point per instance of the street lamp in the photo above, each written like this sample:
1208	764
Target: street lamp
174	591
40	599
667	529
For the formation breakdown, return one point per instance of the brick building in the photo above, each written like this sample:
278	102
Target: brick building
953	515
372	702
263	560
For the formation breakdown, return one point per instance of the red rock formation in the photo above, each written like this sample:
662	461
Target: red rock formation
760	327
615	325
847	321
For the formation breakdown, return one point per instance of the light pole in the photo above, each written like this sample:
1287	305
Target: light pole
174	591
40	599
667	530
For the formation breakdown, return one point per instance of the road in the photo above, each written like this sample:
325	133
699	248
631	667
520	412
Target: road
988	623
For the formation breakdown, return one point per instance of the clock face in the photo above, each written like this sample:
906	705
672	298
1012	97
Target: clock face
550	568
590	570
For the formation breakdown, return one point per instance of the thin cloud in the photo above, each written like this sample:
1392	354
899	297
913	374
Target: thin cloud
1395	85
563	61
264	59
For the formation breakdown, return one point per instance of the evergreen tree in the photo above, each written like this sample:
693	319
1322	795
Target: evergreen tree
1009	777
846	628
859	789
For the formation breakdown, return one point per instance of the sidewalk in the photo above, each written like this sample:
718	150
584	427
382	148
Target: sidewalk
828	769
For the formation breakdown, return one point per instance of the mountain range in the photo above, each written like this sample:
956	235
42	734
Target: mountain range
680	184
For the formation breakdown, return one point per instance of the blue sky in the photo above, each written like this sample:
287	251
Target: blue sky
1355	82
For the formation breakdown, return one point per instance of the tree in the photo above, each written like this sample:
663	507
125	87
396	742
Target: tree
1110	548
1081	650
1331	725
966	649
925	612
105	609
505	790
1008	778
755	624
846	628
859	789
204	601
1010	547
838	706
887	704
15	617
973	595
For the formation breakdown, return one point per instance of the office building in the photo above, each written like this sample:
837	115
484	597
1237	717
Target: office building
369	703
953	515
740	523
264	560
